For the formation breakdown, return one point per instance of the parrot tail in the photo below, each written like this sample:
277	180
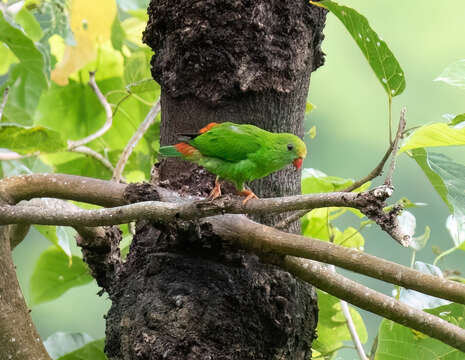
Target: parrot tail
180	150
169	151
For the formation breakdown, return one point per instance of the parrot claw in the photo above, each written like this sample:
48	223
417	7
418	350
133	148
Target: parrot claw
216	191
248	195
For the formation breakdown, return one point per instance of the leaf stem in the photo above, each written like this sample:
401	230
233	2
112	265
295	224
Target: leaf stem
390	118
447	252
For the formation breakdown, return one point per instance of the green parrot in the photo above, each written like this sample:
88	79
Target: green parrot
238	153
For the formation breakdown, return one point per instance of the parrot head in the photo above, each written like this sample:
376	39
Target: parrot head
291	149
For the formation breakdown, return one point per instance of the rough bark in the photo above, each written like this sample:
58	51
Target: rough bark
19	339
180	295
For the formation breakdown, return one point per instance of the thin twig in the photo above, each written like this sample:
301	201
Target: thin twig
378	170
144	126
353	330
350	324
96	155
395	148
4	100
285	223
109	115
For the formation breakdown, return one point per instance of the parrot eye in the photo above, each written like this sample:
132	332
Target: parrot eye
290	147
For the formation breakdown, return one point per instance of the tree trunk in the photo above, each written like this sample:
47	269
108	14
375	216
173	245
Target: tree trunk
182	294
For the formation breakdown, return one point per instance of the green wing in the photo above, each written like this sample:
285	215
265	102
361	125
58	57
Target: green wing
230	142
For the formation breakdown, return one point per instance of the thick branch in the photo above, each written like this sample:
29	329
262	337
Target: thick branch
369	202
248	234
260	238
69	187
375	302
111	193
240	230
19	339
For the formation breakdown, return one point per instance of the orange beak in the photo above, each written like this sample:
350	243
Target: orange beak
298	163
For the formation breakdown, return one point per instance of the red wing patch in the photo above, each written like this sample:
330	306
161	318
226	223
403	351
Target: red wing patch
186	149
207	127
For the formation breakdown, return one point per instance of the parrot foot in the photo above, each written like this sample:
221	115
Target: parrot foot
216	191
248	195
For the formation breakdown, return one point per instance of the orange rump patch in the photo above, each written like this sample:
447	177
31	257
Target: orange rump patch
207	127
186	149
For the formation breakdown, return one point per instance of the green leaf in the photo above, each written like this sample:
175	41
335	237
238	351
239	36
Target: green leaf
117	34
77	104
309	107
8	58
454	74
397	342
53	19
350	237
312	132
375	50
315	224
332	327
49	232
27	79
77	164
84	114
446	177
54	274
124	246
128	5
92	350
29	23
458	119
137	75
315	181
26	140
438	134
456	228
144	86
421	157
60	343
60	236
24	166
419	300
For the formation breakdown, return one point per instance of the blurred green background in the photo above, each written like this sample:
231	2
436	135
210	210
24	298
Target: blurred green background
352	136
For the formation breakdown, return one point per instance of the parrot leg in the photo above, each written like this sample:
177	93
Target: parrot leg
248	195
216	191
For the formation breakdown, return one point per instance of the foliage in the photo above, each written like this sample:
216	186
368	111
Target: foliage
47	51
55	273
399	342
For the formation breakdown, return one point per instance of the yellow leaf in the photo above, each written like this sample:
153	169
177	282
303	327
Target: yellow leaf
133	28
438	134
91	26
312	132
